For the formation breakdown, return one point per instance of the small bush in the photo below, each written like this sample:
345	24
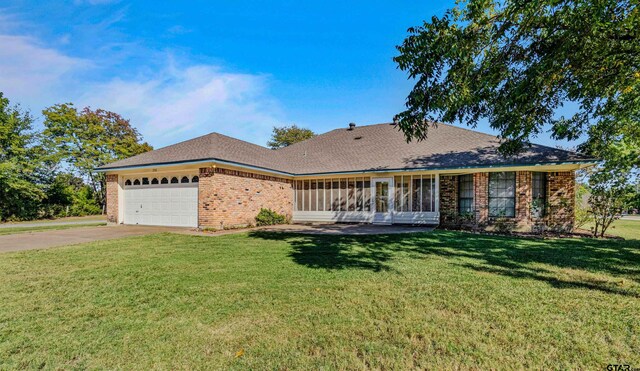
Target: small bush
269	217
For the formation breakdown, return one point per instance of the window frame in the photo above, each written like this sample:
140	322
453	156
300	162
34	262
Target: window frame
467	180
507	182
538	202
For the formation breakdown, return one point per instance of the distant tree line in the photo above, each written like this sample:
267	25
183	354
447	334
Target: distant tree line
50	172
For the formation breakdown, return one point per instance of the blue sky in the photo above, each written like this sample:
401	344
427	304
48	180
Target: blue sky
183	69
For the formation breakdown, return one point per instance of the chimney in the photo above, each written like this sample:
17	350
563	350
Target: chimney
352	125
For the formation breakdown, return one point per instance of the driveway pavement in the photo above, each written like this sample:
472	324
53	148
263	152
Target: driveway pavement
72	236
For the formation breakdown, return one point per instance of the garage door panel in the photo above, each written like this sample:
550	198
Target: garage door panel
169	205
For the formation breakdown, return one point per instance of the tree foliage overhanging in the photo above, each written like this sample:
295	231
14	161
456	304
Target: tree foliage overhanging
516	63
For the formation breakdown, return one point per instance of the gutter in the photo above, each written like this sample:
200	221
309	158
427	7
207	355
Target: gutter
588	162
191	162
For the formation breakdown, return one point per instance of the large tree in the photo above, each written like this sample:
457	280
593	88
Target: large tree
516	63
20	157
287	135
88	138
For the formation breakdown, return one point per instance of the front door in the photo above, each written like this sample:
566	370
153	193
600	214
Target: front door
382	200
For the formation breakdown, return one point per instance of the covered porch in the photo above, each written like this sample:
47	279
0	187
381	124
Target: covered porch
400	198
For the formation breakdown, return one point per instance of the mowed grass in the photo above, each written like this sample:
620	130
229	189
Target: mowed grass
626	228
14	230
262	300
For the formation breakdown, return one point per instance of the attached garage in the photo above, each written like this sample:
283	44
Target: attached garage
165	201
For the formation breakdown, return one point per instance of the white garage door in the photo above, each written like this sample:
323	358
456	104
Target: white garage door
161	204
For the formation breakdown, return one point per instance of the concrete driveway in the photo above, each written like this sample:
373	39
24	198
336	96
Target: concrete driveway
72	236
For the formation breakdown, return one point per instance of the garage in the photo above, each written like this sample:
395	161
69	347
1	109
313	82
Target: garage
164	200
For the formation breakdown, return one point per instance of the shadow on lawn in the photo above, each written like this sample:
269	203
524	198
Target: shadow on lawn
507	256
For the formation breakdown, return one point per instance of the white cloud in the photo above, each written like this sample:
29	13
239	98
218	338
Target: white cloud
32	73
168	104
180	103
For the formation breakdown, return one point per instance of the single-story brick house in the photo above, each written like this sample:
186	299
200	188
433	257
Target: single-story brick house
364	174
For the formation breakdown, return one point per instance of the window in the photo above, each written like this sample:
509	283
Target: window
136	182
184	179
343	194
426	195
403	189
416	185
539	188
465	194
502	194
128	182
327	195
299	195
195	179
164	181
305	199
154	181
313	196
335	195
145	181
174	180
367	194
351	194
359	195
321	195
347	194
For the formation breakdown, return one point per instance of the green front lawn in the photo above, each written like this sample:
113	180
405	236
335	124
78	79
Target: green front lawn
259	300
14	230
626	228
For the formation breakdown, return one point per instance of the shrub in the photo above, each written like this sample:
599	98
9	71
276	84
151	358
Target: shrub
270	217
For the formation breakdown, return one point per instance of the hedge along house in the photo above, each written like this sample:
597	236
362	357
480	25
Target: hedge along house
366	174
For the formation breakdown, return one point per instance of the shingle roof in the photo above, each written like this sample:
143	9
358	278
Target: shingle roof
371	147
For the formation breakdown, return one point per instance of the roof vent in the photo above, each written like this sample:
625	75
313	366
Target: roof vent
352	125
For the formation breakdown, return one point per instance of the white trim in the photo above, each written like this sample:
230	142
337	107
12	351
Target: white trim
380	217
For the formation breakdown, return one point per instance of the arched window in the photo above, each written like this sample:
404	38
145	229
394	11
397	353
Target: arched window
195	179
145	181
174	180
136	182
184	179
154	181
128	182
164	181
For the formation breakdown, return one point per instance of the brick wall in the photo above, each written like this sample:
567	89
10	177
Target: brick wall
229	198
561	188
448	199
523	199
481	198
560	200
112	198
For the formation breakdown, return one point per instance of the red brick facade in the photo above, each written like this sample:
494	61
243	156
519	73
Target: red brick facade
559	215
481	198
448	200
230	198
561	188
112	198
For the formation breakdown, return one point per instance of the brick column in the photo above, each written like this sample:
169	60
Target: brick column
481	198
112	198
448	199
523	198
561	200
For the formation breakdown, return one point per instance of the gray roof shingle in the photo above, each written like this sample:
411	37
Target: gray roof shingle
371	147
